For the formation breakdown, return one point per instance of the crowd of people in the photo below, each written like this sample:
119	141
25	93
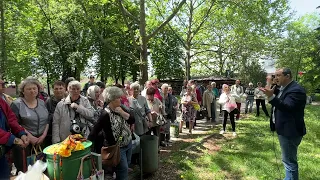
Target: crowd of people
104	114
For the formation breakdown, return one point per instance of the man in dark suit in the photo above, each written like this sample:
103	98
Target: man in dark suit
288	118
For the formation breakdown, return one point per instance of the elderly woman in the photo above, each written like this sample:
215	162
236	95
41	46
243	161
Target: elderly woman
229	107
114	122
250	98
208	98
168	107
260	99
32	115
93	95
141	110
175	105
156	109
124	98
74	110
188	111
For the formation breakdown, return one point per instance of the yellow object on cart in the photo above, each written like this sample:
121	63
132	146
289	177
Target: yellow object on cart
70	144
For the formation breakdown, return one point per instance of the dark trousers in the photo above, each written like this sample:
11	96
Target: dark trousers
239	107
263	105
225	117
213	112
4	169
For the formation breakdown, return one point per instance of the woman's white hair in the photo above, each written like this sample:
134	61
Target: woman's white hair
135	85
74	83
111	93
91	92
224	86
165	85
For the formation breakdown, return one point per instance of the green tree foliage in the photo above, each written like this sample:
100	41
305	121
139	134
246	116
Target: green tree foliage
253	73
20	41
131	19
239	33
64	42
299	50
167	55
112	40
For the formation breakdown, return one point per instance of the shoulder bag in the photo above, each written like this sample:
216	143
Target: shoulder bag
110	155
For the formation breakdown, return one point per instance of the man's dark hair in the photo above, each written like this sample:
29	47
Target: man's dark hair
119	86
58	83
101	84
287	71
68	80
151	91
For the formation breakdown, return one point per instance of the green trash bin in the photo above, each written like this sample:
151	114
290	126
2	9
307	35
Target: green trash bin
150	156
70	165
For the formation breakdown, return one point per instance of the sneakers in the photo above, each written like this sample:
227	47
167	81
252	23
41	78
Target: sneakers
222	132
234	134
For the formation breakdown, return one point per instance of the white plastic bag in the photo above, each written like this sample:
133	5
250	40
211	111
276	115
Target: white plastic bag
34	172
136	142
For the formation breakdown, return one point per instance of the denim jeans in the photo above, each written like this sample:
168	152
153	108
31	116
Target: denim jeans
4	169
289	149
249	102
125	160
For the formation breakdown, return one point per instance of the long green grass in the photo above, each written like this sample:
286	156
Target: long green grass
254	154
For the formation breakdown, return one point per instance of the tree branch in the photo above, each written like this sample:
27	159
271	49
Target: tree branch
203	20
200	52
126	12
123	11
175	11
171	28
104	41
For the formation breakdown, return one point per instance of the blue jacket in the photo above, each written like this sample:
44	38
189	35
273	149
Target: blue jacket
289	111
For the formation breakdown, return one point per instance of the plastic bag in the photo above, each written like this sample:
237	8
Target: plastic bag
34	172
136	142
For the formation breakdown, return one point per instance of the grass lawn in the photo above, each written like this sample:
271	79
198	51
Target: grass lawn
254	154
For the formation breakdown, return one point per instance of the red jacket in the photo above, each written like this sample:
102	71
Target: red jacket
158	95
199	98
16	129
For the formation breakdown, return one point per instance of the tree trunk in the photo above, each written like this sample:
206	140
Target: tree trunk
221	62
188	66
122	80
3	42
144	48
188	42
